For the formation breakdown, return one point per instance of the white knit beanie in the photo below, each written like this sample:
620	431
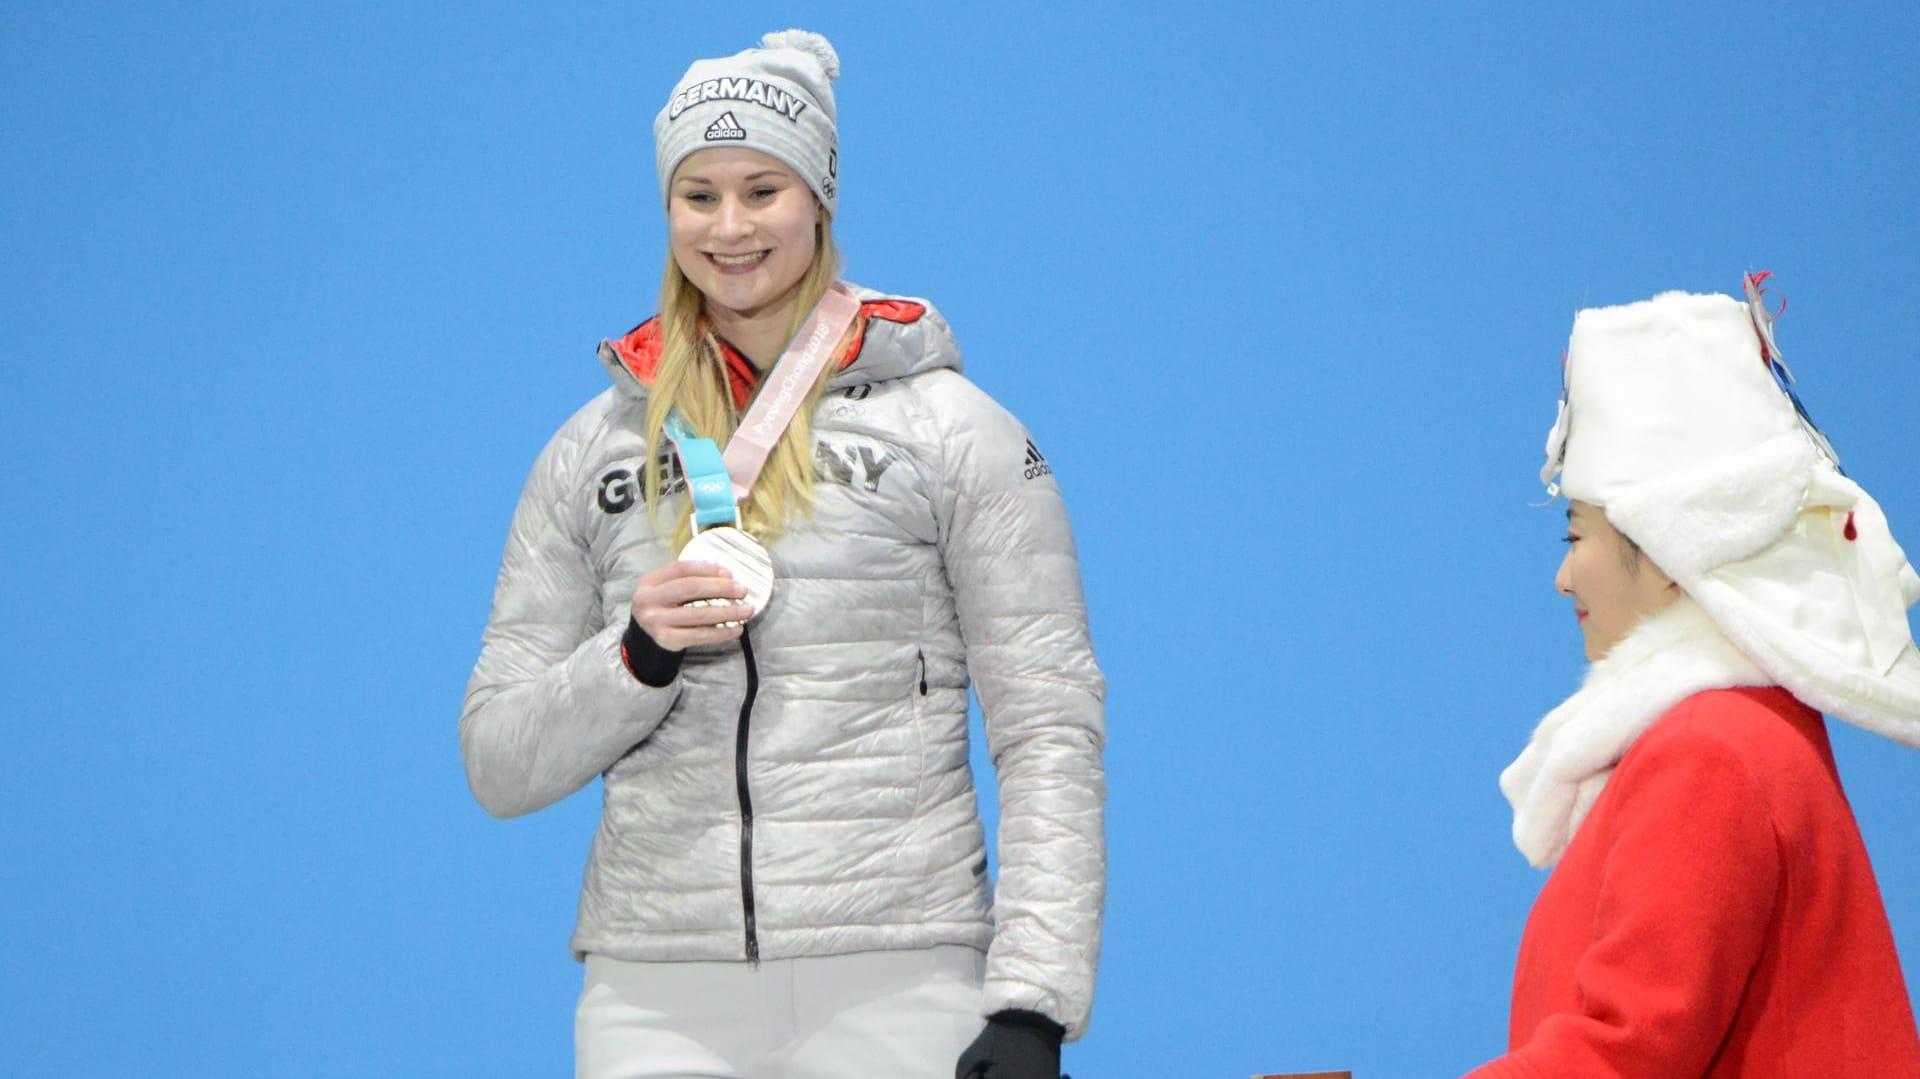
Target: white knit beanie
777	99
1678	421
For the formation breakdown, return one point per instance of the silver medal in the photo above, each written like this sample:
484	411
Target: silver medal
742	556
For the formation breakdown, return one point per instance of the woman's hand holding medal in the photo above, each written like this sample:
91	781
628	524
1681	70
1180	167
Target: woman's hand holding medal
687	602
683	604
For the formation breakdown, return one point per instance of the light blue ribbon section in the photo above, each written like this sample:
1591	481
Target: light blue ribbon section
707	479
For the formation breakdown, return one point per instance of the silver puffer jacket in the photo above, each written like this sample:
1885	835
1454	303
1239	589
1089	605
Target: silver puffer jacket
808	793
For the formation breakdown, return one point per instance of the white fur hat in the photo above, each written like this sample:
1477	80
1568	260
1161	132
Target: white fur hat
1678	421
777	99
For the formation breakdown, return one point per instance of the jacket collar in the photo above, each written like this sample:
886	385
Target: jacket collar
634	358
1663	661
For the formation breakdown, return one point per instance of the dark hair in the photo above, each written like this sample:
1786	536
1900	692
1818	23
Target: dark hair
1629	553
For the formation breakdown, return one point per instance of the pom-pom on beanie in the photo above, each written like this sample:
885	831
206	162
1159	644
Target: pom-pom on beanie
1677	419
777	99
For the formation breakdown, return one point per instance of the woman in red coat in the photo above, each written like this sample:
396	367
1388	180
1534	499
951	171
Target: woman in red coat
1711	909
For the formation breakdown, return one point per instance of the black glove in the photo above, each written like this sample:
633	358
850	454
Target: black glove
1015	1045
646	660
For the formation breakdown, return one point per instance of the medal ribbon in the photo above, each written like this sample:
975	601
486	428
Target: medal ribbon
719	482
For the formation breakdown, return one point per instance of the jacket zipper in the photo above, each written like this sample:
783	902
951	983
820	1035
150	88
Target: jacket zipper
746	800
921	655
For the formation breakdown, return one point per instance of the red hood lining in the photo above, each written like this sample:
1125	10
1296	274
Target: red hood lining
639	350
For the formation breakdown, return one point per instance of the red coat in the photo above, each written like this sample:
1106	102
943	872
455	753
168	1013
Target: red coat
1715	916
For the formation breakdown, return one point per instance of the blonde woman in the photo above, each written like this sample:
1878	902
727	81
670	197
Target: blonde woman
790	876
1711	911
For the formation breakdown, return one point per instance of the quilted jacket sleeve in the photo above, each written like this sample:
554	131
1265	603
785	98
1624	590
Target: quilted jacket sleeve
550	704
1010	557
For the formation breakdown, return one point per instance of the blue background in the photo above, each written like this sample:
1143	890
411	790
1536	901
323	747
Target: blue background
294	294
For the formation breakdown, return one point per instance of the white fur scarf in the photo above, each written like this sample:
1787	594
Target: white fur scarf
1663	661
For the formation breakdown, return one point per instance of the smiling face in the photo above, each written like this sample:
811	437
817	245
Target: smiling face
1612	585
742	227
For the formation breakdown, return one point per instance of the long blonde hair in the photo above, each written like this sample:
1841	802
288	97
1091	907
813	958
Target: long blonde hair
692	377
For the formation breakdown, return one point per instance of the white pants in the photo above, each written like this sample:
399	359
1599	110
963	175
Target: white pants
901	1014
